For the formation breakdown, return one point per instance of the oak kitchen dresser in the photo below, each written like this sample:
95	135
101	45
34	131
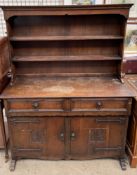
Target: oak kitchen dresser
62	82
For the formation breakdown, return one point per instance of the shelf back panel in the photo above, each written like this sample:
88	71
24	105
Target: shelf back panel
67	68
67	25
66	48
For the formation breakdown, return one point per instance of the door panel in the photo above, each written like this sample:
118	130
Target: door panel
37	137
55	137
95	137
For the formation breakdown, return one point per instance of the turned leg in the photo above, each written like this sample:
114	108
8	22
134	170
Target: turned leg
123	163
12	165
6	155
6	151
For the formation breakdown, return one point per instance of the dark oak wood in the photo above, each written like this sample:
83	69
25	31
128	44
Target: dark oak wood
97	137
89	137
42	138
40	87
68	106
66	99
122	9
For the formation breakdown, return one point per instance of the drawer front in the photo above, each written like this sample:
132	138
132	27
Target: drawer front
70	106
102	105
36	105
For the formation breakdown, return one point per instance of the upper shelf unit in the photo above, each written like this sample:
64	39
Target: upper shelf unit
74	40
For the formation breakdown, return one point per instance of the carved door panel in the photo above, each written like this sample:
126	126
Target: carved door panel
38	137
95	137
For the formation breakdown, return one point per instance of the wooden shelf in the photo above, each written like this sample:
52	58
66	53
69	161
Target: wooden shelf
62	38
65	58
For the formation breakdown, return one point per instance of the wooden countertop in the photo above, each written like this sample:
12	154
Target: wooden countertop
40	87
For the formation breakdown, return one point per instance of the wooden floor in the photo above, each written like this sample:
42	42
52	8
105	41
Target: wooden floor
38	87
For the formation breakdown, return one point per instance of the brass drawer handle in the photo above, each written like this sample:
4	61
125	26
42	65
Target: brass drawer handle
35	105
73	135
99	105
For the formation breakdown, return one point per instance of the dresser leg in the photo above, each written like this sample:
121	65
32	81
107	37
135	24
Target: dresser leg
123	163
6	152
6	157
12	165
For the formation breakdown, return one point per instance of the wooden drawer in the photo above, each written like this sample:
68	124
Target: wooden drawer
25	105
71	106
102	105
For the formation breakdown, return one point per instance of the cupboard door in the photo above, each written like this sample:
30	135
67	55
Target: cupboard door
96	137
55	138
37	137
